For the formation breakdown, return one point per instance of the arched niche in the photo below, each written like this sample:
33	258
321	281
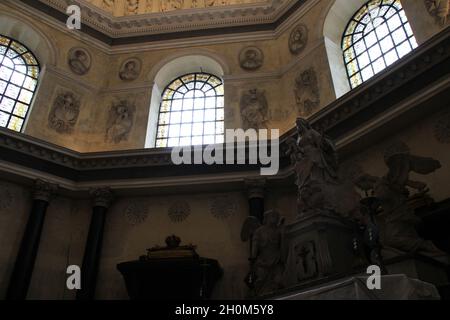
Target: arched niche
171	68
27	33
338	15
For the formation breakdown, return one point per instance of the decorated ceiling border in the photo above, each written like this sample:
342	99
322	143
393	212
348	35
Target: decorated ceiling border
176	20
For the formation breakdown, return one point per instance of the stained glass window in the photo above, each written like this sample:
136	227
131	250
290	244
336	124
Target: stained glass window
191	112
377	36
19	72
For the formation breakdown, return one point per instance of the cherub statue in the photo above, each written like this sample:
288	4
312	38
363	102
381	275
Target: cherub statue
266	242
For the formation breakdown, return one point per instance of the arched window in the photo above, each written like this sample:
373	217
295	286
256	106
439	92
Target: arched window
378	35
191	111
19	72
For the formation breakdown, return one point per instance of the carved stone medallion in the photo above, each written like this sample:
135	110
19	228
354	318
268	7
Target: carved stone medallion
442	128
79	61
179	211
120	121
307	94
223	207
298	39
130	69
136	213
251	58
254	109
64	113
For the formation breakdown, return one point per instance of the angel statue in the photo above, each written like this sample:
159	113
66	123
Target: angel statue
316	165
266	261
393	192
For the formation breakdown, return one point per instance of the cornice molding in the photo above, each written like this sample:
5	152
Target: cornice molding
175	21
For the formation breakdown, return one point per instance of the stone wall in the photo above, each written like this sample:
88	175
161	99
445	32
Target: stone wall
101	86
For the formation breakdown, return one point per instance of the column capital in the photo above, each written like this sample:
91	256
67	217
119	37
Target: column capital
255	187
101	197
43	190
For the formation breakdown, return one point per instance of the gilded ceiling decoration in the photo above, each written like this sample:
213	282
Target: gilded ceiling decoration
120	8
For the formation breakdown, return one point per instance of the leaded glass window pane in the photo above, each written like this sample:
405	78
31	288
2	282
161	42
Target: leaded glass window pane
377	36
19	72
191	111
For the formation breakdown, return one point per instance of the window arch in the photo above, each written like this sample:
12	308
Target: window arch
378	35
191	111
19	72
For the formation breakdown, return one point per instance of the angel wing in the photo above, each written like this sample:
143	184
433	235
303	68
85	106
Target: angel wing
249	227
422	165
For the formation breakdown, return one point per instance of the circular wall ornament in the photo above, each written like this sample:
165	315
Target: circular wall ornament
136	213
179	211
130	69
298	39
223	207
79	61
251	58
442	128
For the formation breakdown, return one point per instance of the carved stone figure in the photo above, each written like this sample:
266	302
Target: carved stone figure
171	5
79	61
394	196
132	7
251	58
298	39
120	121
315	162
440	9
307	93
130	69
64	113
179	211
305	262
254	109
266	252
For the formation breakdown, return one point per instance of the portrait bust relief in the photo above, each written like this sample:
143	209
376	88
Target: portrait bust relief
298	39
251	58
130	69
79	61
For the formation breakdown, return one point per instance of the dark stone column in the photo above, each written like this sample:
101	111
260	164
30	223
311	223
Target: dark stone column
102	198
255	193
23	268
